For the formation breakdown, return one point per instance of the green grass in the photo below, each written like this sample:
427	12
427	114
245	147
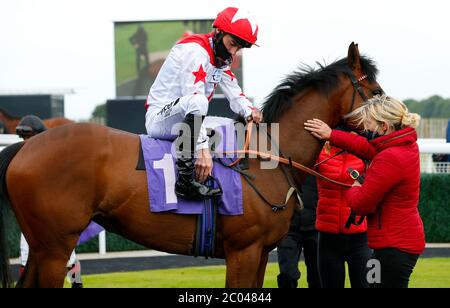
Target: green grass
429	273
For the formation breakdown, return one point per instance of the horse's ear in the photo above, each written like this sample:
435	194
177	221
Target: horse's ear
353	57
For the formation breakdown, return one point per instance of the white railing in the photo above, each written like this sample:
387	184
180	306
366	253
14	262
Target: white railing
427	148
6	140
102	242
433	146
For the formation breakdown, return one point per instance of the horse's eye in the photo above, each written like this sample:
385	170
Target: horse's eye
377	92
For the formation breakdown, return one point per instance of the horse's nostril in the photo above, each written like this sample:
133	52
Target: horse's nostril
377	92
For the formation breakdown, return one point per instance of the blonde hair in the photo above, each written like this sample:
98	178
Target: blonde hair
384	109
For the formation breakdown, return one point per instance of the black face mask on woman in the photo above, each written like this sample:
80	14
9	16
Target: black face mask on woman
370	135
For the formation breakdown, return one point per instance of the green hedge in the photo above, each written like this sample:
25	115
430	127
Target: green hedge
114	242
434	209
12	232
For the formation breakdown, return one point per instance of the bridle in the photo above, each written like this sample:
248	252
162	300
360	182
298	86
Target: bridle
356	87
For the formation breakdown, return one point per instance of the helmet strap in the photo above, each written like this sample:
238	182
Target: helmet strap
221	55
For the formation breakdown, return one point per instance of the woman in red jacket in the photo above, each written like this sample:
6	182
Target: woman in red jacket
337	243
390	193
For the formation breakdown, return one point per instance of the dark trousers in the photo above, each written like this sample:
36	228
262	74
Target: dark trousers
334	251
395	267
289	251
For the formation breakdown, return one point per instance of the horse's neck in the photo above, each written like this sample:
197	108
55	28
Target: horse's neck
10	123
4	116
294	140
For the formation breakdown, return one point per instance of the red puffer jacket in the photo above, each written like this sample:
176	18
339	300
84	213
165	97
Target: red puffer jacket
390	193
332	208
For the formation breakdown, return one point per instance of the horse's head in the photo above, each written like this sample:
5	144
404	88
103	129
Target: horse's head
328	92
361	82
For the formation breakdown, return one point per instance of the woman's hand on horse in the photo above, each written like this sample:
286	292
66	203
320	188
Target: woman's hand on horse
318	129
203	165
256	116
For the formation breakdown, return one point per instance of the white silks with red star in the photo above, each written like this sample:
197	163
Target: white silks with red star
188	70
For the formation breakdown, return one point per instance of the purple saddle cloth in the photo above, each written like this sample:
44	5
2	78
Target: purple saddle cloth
161	170
92	230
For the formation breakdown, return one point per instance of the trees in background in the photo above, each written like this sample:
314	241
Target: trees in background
99	111
432	107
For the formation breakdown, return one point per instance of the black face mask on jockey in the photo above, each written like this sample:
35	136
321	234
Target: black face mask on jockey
221	55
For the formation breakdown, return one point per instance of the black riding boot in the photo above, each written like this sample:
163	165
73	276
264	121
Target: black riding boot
186	186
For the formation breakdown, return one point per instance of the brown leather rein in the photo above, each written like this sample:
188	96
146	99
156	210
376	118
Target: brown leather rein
288	162
282	160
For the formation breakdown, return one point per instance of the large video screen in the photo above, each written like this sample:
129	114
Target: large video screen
142	47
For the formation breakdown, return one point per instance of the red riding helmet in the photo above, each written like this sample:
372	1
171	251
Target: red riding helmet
237	22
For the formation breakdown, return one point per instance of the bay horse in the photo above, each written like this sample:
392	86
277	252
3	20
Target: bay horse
87	172
10	122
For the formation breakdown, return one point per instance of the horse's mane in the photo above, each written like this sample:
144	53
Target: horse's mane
324	79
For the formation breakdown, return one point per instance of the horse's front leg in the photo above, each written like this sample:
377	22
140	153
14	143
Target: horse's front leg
243	267
262	268
52	269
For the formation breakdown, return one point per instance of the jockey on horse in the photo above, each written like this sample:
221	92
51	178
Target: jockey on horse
184	87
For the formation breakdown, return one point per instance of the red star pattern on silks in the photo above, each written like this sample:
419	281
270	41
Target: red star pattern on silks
200	75
230	73
242	94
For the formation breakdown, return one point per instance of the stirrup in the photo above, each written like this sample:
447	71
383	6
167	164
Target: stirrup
213	179
201	191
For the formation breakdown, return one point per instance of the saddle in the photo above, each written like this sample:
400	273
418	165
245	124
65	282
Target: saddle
211	123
